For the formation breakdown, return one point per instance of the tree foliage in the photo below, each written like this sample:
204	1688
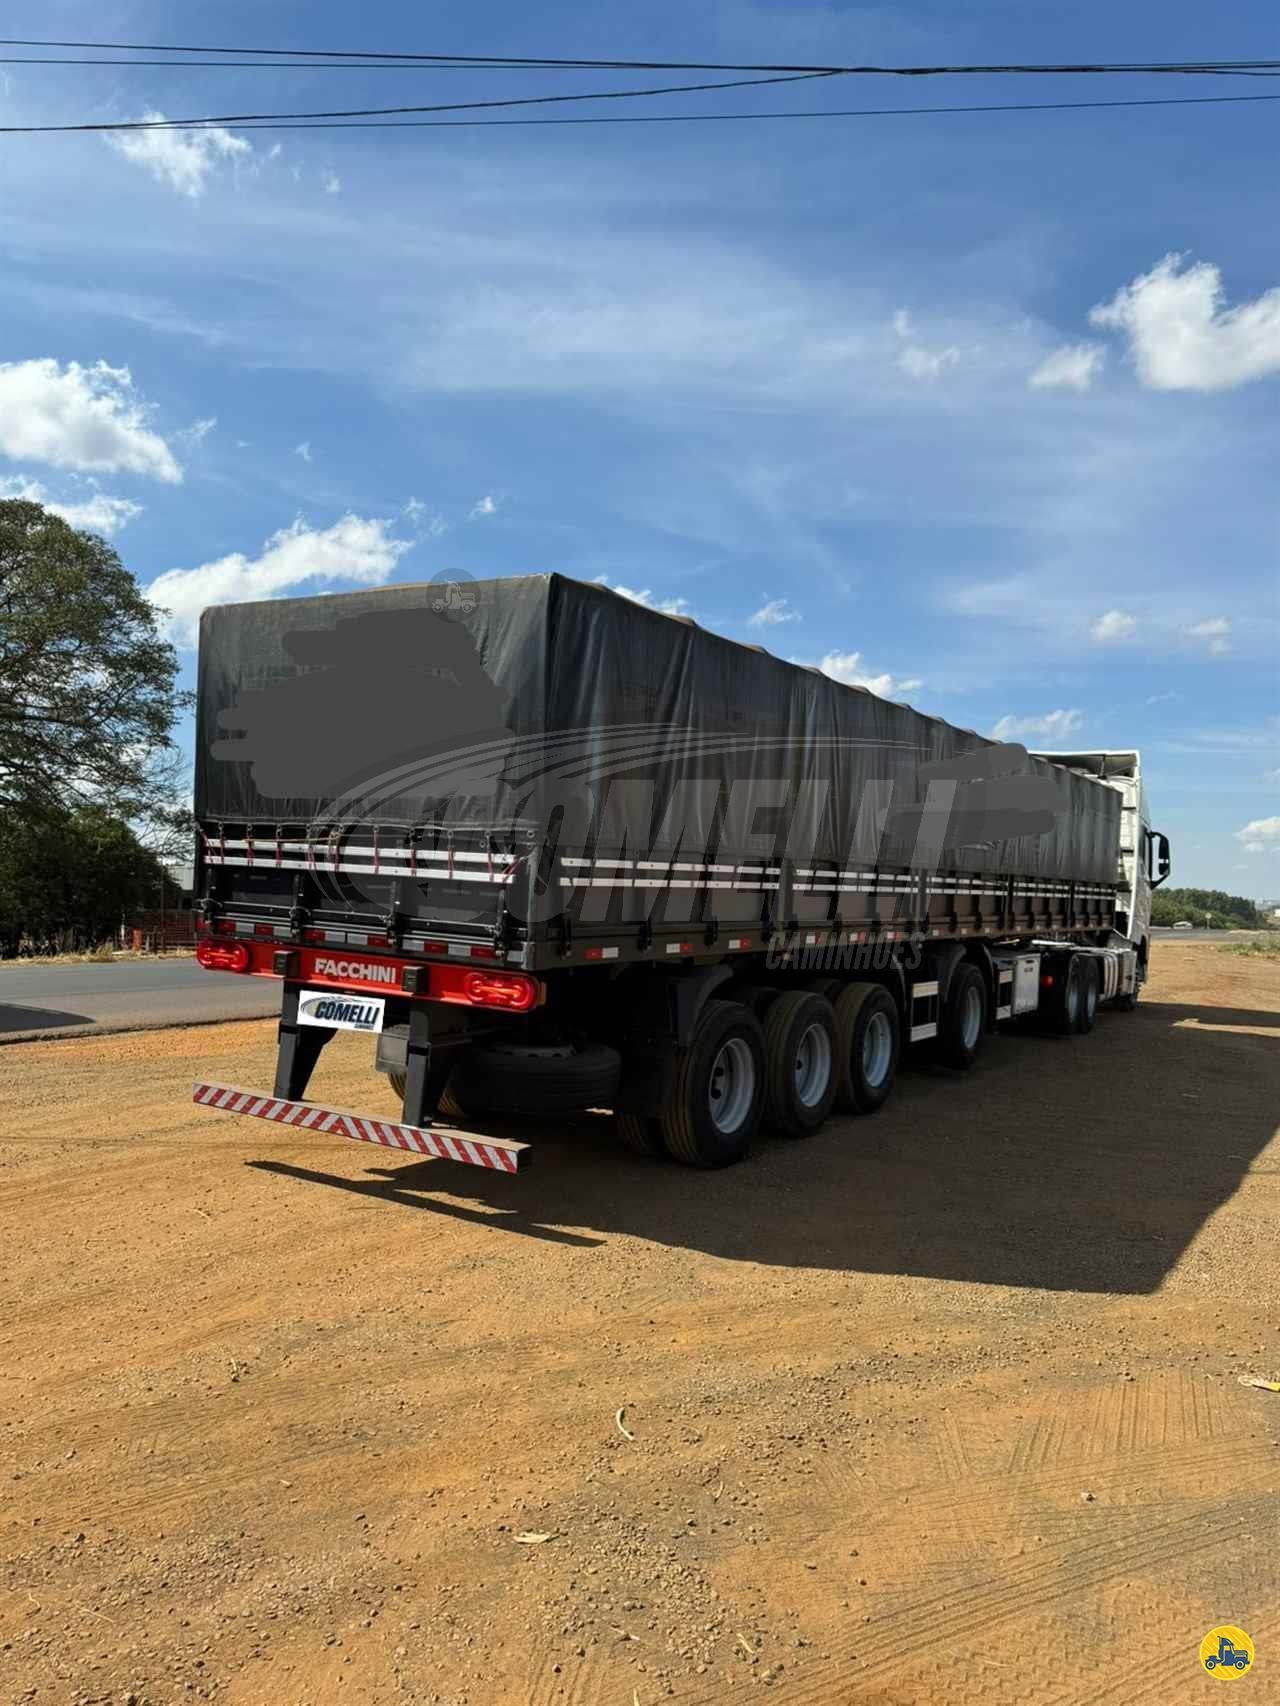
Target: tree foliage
1226	911
88	689
69	878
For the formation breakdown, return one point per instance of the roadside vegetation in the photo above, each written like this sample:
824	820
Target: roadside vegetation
1206	908
88	700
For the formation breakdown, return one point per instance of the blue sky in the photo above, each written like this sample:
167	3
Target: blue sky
979	410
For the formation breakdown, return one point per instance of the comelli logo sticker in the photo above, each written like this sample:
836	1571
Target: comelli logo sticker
342	1012
1226	1652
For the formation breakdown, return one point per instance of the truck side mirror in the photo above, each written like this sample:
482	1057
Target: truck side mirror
1157	858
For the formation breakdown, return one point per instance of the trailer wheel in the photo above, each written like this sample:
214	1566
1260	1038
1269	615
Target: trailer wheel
964	1018
830	988
509	1078
868	1042
800	1069
440	1097
640	1134
1088	996
718	1094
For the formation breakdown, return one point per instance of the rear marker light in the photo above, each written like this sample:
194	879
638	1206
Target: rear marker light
500	989
222	956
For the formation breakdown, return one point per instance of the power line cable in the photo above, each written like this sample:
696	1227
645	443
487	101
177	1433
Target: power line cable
251	120
370	57
706	118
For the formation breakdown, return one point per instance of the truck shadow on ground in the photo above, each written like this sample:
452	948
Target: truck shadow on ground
16	1019
1082	1164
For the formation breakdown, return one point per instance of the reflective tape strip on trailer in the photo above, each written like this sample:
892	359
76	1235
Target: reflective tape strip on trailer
497	1153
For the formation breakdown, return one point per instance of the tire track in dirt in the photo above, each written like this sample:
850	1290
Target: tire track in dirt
915	1631
1173	1668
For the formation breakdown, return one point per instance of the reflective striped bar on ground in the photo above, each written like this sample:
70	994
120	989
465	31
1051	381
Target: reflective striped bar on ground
498	1153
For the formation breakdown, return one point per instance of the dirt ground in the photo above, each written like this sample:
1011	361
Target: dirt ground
937	1407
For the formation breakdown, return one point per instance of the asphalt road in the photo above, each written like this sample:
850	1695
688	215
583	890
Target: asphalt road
1166	933
126	995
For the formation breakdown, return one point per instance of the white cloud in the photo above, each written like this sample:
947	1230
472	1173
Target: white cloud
1113	625
487	505
97	514
1181	335
197	432
303	450
848	668
424	518
332	183
182	158
666	606
353	549
914	358
1161	698
87	418
1053	725
1072	368
772	614
1216	630
1260	836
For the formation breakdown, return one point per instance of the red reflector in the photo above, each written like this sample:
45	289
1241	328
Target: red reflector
435	947
509	990
484	953
593	953
225	927
1046	980
313	935
223	956
376	942
264	929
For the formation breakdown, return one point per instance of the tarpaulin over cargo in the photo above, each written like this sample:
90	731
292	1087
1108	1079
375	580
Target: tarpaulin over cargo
540	706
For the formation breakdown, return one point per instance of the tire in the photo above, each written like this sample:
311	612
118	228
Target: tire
640	1134
963	1024
868	1044
440	1097
800	1063
509	1078
1090	980
717	1097
1067	1001
759	997
830	988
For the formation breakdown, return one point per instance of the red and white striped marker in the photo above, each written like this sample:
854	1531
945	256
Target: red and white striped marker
492	1152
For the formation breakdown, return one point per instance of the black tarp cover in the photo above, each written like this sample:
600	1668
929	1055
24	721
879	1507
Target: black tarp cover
540	703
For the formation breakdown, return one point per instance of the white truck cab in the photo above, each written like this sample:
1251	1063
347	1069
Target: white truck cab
1144	852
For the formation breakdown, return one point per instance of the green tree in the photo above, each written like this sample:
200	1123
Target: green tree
1224	911
88	691
68	879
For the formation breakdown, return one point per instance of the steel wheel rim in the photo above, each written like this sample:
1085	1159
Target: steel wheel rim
731	1087
877	1050
812	1065
971	1016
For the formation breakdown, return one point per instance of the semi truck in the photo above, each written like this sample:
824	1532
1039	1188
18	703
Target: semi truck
553	850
